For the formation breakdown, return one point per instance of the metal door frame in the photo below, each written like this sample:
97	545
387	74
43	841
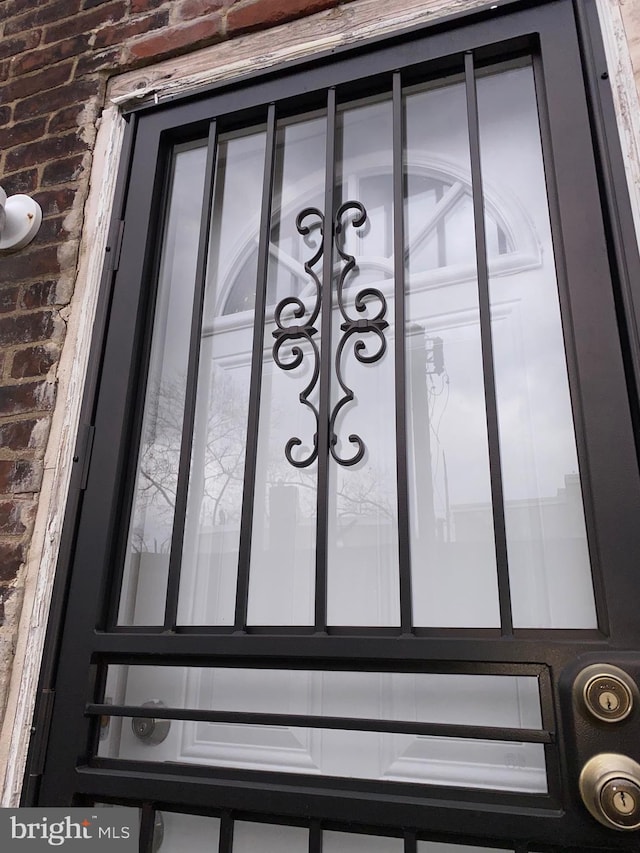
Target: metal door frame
548	654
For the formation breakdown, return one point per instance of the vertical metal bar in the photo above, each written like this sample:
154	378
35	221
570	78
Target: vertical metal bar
404	548
410	843
147	828
182	487
322	507
497	496
248	494
315	837
225	843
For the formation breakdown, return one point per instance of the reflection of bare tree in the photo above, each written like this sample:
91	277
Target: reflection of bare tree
220	450
217	467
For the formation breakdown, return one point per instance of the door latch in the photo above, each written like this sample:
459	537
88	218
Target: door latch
151	730
610	789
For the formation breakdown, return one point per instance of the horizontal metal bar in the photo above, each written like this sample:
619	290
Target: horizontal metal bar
554	648
315	721
370	803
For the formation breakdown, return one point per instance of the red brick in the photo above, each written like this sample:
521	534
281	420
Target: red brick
138	6
65	119
40	294
45	13
51	148
11	558
189	9
53	202
11	523
267	13
178	39
27	397
62	171
103	60
52	230
26	328
121	32
18	475
22	435
44	103
33	361
20	182
40	81
85	22
8	298
34	262
22	132
36	59
19	44
13	8
5	115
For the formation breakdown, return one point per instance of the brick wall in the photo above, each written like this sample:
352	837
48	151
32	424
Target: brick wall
55	59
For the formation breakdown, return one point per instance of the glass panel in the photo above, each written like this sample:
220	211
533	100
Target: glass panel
176	833
454	580
363	577
549	567
282	571
269	838
212	531
422	759
349	842
509	701
474	700
142	600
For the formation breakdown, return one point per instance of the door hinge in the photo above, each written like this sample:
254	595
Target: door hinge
40	731
114	247
82	456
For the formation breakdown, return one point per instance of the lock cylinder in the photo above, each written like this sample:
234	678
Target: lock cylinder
150	730
610	789
606	692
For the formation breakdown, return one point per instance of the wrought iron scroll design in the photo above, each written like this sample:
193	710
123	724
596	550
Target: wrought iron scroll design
354	326
293	307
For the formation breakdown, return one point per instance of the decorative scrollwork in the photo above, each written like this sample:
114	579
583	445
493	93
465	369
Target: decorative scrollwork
286	332
293	307
355	326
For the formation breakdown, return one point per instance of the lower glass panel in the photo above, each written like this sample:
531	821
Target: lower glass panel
421	759
306	746
176	833
249	837
472	700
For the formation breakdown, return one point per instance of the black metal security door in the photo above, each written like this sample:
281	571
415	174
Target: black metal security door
353	565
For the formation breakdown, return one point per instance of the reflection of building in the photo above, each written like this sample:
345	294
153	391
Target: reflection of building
215	520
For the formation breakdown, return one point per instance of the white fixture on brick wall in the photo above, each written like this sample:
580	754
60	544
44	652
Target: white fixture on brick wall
20	218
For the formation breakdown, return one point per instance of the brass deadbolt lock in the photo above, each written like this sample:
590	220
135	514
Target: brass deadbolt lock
607	692
610	789
148	729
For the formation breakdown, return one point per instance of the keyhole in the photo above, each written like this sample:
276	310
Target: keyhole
622	797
